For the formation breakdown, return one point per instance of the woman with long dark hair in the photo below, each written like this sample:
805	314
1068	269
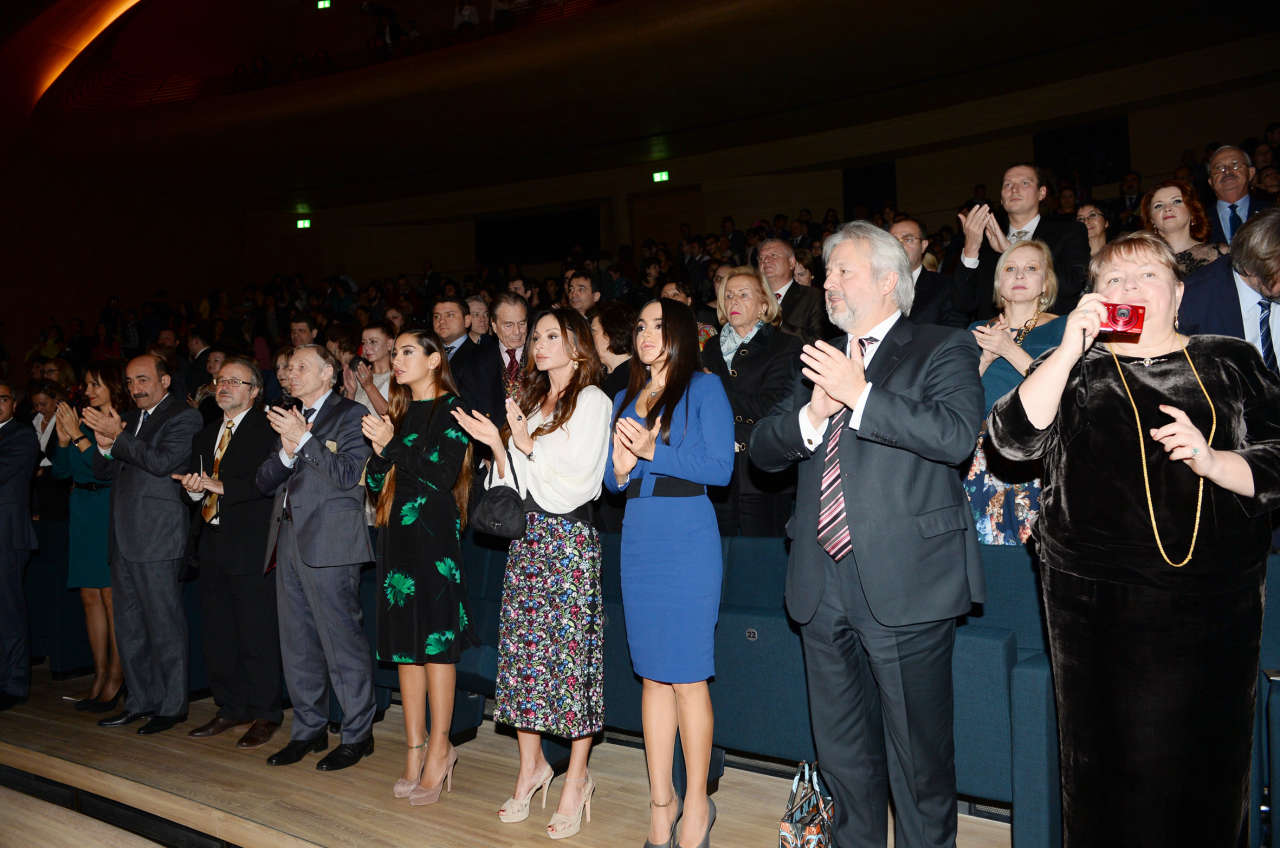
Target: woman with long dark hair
89	567
420	477
672	437
551	636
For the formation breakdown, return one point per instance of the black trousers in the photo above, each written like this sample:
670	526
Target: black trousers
881	702
241	636
15	647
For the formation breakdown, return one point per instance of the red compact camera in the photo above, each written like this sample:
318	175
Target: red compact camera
1123	319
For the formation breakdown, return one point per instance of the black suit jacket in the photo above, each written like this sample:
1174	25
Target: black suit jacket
19	456
804	313
763	373
1068	242
1257	203
1211	303
934	301
913	535
478	372
244	511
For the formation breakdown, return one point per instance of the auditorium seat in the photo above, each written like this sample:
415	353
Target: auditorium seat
55	614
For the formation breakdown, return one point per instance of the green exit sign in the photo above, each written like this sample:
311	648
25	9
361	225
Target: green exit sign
322	4
304	223
661	176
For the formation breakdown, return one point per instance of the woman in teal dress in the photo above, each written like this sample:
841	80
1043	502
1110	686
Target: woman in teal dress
1005	495
89	567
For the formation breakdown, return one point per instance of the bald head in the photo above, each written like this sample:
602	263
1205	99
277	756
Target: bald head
146	379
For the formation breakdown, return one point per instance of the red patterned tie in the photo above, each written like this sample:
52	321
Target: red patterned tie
833	521
512	365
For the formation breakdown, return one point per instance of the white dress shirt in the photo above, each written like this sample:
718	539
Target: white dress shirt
782	292
567	466
43	432
1251	314
813	436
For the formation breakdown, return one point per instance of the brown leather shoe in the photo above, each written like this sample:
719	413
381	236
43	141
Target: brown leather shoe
258	734
216	726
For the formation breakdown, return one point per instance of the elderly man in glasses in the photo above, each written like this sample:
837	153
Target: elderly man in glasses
241	639
1230	173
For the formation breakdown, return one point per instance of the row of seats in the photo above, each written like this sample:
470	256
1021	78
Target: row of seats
1005	724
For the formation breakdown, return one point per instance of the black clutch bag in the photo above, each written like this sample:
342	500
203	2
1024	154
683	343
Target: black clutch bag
500	510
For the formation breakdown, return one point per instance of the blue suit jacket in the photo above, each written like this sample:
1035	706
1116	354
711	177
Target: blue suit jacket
1257	203
1210	304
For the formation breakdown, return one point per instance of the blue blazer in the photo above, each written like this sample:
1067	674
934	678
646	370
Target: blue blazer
1210	303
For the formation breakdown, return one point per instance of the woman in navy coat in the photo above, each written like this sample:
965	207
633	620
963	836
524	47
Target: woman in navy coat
673	437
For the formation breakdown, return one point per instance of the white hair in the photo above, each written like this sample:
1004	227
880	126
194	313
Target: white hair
1208	166
887	256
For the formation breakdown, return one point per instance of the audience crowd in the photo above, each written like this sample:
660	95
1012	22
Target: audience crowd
277	439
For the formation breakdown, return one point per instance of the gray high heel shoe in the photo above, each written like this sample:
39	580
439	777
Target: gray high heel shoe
671	837
706	837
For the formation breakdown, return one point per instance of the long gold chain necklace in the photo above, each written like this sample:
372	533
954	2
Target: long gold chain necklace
1026	328
1142	457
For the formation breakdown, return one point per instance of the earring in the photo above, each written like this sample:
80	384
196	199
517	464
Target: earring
1175	320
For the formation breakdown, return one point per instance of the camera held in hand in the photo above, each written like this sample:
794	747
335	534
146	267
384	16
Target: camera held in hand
1123	320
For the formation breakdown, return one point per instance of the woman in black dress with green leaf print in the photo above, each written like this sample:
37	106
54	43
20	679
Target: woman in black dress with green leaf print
420	475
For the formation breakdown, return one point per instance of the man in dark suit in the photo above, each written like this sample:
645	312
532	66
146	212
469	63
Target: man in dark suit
884	554
803	314
241	636
149	527
476	370
1239	294
933	291
320	539
19	455
1231	172
199	346
987	235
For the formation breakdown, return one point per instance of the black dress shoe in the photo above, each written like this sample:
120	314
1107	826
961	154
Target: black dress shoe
297	749
121	719
98	706
8	702
159	724
346	754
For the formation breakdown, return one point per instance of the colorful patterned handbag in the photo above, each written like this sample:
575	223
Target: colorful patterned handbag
809	818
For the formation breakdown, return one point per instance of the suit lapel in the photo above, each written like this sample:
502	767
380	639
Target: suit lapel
892	351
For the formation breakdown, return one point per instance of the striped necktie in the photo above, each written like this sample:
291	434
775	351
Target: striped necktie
1264	334
210	508
833	521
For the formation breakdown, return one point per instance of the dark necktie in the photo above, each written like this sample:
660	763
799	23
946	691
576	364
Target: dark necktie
512	365
833	521
142	422
1233	221
1264	333
306	415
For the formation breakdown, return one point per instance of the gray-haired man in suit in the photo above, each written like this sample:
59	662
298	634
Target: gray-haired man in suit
320	541
150	520
884	555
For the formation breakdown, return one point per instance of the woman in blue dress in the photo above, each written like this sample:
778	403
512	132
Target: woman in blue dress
89	567
1005	495
673	437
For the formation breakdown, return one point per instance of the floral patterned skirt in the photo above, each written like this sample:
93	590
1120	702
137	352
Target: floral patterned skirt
551	633
1003	511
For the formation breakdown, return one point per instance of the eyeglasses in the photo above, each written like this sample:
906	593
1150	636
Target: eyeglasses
909	239
1089	217
1229	167
231	382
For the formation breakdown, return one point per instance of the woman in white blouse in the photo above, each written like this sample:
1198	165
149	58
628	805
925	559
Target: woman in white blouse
551	635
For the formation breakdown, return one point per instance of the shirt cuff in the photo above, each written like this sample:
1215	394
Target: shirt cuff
286	460
855	414
305	438
812	435
967	262
196	496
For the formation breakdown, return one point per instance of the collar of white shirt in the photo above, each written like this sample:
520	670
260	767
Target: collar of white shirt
518	350
915	275
782	292
235	423
878	332
1030	227
148	413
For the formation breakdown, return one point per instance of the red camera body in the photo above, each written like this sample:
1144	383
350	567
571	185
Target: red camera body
1123	320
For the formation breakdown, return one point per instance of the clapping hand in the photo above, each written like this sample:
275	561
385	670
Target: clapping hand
105	424
974	225
379	430
198	483
840	377
349	383
289	423
637	439
623	459
480	428
66	423
994	339
520	438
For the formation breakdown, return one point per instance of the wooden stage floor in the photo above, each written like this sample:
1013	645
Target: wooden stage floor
211	786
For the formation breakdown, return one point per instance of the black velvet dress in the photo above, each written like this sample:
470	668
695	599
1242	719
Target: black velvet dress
1155	667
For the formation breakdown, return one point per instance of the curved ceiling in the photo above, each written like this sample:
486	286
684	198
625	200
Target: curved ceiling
631	82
